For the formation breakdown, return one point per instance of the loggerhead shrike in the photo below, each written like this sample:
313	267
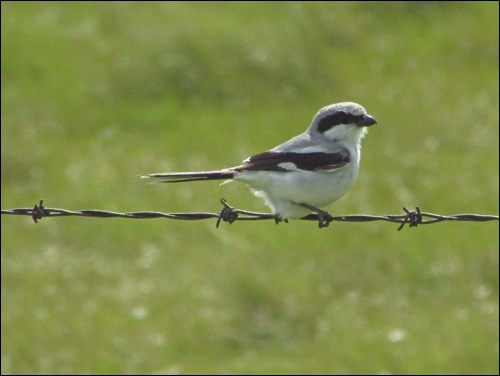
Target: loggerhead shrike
306	172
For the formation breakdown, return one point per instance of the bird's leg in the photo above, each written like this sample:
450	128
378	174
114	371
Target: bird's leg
324	218
277	217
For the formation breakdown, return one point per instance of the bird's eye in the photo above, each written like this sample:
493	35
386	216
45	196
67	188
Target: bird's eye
334	119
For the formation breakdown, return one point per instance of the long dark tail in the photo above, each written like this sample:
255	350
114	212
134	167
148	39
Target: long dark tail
177	177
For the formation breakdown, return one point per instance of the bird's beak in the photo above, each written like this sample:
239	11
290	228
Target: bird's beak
366	121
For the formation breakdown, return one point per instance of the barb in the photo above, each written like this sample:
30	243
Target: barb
412	218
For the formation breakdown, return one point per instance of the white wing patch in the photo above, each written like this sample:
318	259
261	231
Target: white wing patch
289	166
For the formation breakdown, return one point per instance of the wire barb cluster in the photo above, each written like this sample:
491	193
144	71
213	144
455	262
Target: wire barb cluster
228	214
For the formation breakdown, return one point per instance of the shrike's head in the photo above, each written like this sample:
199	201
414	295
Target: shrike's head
346	121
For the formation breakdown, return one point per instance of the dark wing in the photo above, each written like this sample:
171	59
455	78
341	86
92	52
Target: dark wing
286	162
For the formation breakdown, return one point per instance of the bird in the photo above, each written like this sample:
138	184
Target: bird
304	174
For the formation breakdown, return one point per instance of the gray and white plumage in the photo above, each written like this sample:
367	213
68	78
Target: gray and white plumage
305	173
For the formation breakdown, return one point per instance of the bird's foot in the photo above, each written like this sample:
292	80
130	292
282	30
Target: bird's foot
278	219
324	218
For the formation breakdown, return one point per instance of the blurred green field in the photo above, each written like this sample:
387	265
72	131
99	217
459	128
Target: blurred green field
95	93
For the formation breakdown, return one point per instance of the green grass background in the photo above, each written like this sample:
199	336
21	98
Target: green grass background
95	93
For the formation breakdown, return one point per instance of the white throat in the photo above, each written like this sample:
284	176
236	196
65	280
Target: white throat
348	133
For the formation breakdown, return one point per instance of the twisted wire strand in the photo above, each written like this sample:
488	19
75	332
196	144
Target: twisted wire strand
412	218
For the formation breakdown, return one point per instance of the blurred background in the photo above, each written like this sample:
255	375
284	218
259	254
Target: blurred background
94	94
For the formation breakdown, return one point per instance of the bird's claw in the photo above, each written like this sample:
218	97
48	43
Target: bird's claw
278	219
324	218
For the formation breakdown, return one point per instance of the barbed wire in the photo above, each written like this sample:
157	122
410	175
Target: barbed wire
412	218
